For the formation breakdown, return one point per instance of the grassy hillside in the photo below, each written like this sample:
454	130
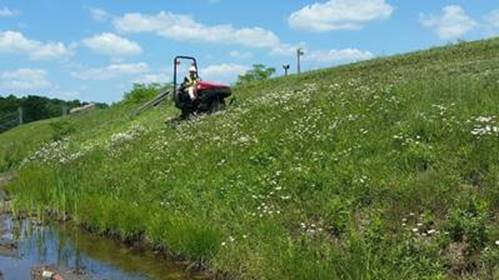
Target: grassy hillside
94	126
386	169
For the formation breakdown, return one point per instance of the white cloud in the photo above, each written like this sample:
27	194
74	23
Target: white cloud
111	44
15	42
223	73
185	28
337	56
111	71
6	12
240	55
452	23
159	78
492	19
339	14
117	60
99	15
24	79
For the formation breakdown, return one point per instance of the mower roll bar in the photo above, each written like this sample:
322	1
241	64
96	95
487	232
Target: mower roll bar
176	62
163	95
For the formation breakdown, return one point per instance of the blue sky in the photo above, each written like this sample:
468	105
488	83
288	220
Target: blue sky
96	50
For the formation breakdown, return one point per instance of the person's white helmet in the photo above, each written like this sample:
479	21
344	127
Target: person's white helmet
193	69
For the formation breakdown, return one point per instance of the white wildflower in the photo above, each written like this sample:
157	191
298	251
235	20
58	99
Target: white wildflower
484	119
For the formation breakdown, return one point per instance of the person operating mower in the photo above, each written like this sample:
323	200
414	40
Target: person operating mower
193	96
191	82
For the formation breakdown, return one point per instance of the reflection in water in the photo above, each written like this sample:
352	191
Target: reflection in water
70	249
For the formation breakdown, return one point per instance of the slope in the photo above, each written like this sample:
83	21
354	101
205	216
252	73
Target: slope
385	169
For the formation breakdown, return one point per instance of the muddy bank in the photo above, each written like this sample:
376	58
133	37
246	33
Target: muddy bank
7	246
30	250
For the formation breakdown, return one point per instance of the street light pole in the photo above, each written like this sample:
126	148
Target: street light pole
299	53
64	109
20	111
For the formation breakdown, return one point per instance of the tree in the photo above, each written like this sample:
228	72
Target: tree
35	108
143	92
259	72
9	104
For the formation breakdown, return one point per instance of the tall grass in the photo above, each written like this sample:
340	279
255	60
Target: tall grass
386	169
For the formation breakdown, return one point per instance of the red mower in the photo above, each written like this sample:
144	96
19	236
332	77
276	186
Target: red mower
210	97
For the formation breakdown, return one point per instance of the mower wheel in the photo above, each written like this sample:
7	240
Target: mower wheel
216	105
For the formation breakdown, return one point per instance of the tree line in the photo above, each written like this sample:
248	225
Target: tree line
34	108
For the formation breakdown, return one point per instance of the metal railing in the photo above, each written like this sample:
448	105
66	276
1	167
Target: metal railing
11	120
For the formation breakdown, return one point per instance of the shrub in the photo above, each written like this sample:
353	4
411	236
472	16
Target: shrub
61	129
468	224
142	93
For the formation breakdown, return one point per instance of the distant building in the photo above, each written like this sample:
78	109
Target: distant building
82	109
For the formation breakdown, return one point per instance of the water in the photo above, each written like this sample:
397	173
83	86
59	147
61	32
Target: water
70	250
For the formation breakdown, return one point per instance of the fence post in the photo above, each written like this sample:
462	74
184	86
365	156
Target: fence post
20	111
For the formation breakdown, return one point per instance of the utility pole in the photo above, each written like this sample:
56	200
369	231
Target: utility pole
299	53
20	111
64	109
286	68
